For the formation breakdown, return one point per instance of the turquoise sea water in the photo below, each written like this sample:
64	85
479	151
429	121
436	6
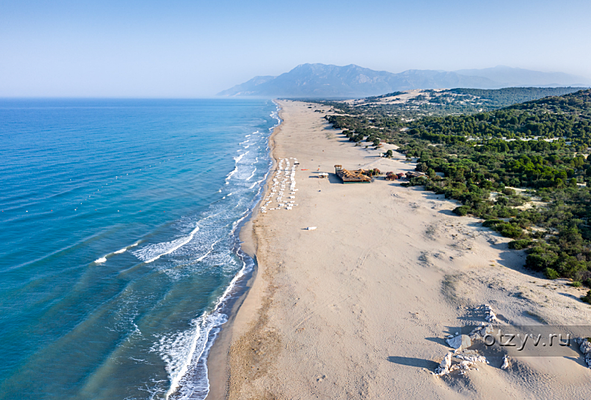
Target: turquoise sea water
118	240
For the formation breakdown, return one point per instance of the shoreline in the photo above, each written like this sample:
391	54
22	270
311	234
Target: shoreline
360	307
218	358
247	238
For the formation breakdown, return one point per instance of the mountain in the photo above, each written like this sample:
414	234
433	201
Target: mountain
245	89
331	81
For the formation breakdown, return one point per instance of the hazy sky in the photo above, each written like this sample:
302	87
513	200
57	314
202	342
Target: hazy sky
182	48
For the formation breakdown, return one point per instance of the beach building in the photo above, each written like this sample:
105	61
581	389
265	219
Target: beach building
357	176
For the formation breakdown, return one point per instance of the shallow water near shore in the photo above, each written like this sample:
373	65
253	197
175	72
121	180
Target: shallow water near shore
119	242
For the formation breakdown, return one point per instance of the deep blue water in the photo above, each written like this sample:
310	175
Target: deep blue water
118	240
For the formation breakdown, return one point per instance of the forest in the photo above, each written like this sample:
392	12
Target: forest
522	169
444	102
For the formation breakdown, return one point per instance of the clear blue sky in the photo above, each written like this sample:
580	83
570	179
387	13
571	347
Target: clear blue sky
181	48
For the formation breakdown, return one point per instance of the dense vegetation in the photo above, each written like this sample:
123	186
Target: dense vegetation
448	101
485	160
493	99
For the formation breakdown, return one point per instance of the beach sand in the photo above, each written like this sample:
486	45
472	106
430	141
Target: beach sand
360	307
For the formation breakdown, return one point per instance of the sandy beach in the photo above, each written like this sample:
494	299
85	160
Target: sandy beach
360	307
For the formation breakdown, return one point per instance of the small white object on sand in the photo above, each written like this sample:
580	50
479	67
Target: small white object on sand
506	363
490	315
445	365
585	347
459	341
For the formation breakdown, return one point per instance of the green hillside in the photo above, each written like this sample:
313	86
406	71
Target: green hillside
451	101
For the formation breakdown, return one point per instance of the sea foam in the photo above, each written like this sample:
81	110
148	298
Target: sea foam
154	251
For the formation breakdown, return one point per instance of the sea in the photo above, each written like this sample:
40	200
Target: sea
119	247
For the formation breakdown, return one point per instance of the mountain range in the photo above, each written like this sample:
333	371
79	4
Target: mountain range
332	81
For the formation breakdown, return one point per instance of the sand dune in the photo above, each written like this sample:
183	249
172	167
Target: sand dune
360	307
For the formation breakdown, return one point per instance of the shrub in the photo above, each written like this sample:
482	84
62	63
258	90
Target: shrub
587	297
491	223
520	244
576	284
504	212
416	181
552	274
461	210
515	201
540	258
570	266
421	167
509	230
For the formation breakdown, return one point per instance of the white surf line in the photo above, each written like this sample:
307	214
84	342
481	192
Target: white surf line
251	175
181	244
231	174
103	259
200	258
236	223
240	157
208	253
256	183
123	250
175	382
